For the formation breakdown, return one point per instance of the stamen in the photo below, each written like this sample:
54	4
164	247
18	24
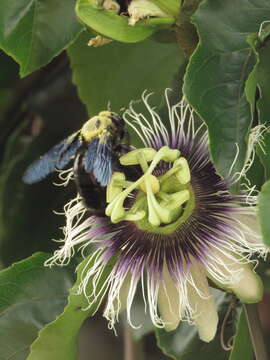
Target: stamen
115	186
183	175
168	174
143	162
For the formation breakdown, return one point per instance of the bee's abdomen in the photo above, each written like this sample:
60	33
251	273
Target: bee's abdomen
93	195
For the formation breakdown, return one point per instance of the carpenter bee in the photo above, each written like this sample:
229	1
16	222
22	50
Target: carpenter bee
94	150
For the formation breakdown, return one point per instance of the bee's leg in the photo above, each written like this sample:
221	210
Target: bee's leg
133	172
122	149
126	136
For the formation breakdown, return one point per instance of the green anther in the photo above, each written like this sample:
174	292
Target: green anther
164	153
117	203
174	211
173	203
115	186
179	198
139	215
152	214
135	213
131	158
118	213
171	155
142	161
124	183
168	174
164	196
183	175
157	214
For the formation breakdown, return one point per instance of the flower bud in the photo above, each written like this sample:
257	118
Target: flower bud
138	21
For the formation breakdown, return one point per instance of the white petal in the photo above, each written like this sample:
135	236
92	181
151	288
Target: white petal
249	289
202	302
123	294
250	225
169	302
239	278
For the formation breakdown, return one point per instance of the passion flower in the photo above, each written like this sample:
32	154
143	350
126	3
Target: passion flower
172	226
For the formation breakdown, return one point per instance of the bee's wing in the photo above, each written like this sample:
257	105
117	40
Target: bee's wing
98	160
90	155
103	164
58	157
73	142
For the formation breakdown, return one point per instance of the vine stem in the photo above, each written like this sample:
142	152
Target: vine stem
132	348
255	331
186	33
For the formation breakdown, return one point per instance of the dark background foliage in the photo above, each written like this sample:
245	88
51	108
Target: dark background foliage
50	83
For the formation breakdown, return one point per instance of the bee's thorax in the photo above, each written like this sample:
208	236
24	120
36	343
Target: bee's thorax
97	126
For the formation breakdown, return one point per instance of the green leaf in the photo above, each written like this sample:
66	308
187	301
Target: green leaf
264	31
263	80
31	214
264	154
218	69
10	75
264	211
115	26
262	73
242	346
114	73
258	91
184	343
31	296
27	218
8	79
57	341
256	173
34	31
259	78
251	83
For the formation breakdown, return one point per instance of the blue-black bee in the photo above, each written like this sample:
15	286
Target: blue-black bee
94	150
